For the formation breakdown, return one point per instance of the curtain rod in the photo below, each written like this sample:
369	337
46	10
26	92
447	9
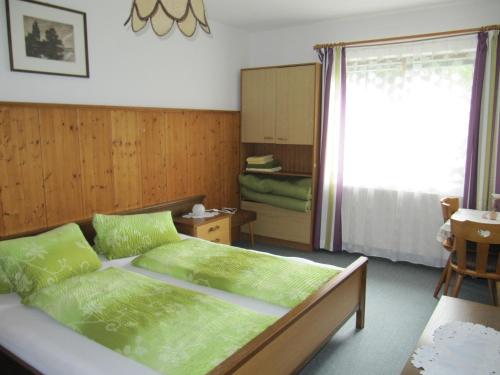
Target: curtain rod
409	37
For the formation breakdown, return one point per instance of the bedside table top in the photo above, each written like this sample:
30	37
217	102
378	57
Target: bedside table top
242	217
197	222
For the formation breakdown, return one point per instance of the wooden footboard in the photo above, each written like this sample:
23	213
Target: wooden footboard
286	346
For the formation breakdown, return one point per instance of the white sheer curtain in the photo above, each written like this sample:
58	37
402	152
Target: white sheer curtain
405	144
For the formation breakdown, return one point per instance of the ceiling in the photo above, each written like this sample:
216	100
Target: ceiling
256	15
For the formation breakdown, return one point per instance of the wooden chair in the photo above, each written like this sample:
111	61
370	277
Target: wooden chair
449	205
483	261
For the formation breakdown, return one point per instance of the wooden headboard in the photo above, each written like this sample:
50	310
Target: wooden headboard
63	163
177	207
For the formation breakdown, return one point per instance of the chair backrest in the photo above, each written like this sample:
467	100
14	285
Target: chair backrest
484	236
449	205
496	203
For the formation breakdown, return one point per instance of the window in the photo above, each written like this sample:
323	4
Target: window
407	115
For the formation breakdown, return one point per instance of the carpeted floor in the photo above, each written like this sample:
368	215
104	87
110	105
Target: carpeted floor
398	306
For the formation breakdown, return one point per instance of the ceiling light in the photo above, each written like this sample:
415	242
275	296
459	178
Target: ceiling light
164	13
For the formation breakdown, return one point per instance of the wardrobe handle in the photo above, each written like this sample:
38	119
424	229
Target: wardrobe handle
213	229
268	137
282	139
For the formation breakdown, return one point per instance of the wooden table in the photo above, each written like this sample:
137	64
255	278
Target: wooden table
453	309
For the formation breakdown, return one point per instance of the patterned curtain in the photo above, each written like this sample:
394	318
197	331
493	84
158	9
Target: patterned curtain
328	229
482	177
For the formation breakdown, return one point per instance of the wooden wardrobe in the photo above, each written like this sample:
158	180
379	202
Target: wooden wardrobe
280	115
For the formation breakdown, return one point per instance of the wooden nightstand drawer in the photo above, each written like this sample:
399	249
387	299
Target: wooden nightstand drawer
216	231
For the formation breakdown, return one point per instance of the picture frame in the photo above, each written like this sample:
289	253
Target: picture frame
47	39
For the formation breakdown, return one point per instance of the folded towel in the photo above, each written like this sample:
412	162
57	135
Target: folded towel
293	187
269	164
276	200
259	159
264	170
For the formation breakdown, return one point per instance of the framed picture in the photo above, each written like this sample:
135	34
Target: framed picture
47	39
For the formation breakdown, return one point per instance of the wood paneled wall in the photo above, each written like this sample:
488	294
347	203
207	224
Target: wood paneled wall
61	163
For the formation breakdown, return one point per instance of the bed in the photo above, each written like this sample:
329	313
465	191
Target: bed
283	348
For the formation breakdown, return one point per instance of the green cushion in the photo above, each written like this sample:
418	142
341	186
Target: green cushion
120	236
32	263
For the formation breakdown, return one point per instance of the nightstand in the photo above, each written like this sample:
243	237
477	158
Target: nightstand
216	229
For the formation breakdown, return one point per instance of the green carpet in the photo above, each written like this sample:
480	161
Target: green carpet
399	303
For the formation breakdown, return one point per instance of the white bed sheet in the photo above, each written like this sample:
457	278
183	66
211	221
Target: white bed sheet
55	349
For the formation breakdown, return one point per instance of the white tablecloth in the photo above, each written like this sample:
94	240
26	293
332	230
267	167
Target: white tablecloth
465	214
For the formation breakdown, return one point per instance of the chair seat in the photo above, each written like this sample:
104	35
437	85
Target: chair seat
471	260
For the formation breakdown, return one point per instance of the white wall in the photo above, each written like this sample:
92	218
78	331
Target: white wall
295	45
136	70
203	72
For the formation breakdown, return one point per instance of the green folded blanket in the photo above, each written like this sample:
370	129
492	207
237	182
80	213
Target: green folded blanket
268	165
278	280
298	188
276	200
259	159
170	329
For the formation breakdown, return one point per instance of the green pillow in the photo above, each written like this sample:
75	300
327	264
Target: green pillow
120	236
32	263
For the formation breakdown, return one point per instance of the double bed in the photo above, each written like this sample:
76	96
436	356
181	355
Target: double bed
33	341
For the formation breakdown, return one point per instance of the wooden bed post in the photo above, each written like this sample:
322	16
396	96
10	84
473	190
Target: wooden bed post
360	314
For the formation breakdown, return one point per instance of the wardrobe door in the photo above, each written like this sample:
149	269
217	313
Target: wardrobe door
295	104
258	105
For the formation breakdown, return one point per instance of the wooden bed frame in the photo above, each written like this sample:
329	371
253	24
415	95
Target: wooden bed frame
287	345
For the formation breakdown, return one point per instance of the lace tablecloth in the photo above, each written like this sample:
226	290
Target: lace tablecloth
460	348
205	215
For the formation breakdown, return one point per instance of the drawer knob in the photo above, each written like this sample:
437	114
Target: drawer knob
216	240
213	229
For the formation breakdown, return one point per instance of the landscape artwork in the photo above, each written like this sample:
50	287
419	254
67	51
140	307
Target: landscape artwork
49	40
46	38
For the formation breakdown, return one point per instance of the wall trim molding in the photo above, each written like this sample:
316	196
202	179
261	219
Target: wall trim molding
114	107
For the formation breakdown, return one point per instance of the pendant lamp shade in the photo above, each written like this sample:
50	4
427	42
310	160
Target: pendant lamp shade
164	13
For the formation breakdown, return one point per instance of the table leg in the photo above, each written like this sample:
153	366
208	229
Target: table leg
250	232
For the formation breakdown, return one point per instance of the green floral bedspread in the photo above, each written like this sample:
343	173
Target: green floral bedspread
278	280
170	329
